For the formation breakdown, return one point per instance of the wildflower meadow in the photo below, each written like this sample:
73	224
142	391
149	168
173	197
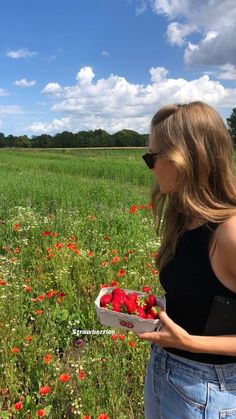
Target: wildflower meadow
72	222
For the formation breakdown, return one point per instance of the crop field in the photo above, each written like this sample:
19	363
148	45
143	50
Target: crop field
71	223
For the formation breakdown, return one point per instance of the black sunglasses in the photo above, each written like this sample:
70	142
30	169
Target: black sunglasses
150	159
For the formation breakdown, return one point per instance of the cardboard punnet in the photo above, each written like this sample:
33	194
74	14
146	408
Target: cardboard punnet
126	321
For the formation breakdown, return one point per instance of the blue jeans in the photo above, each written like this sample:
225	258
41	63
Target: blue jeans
178	388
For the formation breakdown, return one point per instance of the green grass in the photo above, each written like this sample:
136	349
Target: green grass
84	196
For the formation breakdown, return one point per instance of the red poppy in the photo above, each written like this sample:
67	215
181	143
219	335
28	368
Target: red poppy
3	283
28	338
114	283
27	288
41	413
121	337
103	416
54	234
120	273
47	358
132	343
58	245
106	238
64	378
15	350
82	375
115	259
46	233
133	209
146	288
18	406
45	390
90	254
39	312
104	285
16	227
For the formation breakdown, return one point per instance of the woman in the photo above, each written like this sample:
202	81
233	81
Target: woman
190	373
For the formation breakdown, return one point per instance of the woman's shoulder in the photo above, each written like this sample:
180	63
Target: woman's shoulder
226	243
227	229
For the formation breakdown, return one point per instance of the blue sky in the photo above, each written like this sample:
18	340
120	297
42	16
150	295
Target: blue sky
87	64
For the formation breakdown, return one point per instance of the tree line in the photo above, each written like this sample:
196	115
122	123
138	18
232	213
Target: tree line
96	138
66	139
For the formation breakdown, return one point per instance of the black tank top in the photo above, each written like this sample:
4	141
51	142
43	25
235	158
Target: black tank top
190	285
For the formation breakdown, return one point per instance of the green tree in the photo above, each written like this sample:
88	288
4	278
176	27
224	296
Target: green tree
42	141
22	141
231	122
2	140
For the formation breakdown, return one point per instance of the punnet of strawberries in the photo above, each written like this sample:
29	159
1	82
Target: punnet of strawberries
118	300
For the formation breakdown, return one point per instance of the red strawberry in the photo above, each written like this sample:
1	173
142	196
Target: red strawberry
118	294
116	306
154	311
152	300
149	316
105	299
140	312
132	296
141	302
130	306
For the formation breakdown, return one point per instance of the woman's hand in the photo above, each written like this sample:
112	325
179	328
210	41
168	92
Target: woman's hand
170	335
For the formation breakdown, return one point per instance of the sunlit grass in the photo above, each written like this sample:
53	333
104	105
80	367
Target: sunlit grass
62	216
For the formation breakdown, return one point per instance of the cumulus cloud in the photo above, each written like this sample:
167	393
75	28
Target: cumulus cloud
214	19
21	53
52	89
24	83
114	103
57	125
177	33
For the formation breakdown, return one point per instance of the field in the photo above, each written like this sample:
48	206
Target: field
70	223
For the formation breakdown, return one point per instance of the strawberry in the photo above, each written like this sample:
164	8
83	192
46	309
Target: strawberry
149	316
105	299
154	311
116	306
140	312
141	302
132	296
118	294
130	306
152	300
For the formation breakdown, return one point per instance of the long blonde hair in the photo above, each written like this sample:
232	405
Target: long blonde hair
195	139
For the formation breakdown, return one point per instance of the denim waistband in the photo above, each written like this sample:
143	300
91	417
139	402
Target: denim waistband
215	373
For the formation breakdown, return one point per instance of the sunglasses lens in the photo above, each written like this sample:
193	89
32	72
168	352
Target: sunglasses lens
149	160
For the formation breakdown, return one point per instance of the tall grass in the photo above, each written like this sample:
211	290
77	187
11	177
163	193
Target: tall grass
63	215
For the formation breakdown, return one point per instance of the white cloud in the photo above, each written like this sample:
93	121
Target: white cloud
85	75
114	103
176	33
228	72
24	83
21	53
52	89
214	19
3	92
57	125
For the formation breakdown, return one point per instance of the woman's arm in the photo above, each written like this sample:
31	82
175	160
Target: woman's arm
173	336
